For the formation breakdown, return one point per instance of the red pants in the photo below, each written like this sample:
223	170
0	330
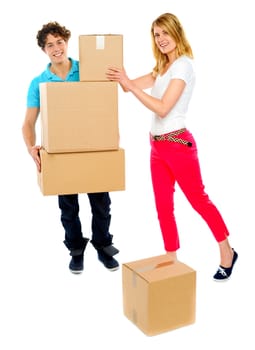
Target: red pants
173	162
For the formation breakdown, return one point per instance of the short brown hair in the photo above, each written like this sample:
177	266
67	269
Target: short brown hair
53	28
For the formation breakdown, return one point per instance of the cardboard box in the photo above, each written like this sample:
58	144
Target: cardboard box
79	116
96	53
159	295
81	172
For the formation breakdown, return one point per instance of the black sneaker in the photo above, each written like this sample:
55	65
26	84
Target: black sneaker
223	273
76	264
77	251
108	261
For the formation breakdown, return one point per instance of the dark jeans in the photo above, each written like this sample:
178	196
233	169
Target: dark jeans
101	218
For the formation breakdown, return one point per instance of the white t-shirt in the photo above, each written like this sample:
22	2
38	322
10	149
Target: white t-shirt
182	68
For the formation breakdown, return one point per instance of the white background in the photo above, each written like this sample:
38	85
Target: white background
42	305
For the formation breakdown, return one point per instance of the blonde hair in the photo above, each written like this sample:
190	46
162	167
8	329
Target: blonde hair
171	24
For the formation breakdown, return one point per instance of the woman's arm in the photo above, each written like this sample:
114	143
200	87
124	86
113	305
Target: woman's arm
136	86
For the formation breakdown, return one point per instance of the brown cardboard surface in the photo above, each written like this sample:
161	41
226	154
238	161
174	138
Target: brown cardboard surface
97	52
159	295
82	172
79	116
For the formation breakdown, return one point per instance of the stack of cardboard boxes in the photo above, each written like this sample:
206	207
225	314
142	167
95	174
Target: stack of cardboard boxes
80	132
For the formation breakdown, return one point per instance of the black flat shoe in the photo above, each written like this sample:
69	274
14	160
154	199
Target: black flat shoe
223	273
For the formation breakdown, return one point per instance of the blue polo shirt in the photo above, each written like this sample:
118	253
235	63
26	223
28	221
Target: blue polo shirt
33	95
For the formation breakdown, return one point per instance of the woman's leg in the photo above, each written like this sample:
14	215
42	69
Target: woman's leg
187	171
163	183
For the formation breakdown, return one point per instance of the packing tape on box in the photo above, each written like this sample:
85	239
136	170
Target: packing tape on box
149	268
100	42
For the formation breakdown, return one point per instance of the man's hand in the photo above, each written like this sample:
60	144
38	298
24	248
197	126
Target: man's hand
34	152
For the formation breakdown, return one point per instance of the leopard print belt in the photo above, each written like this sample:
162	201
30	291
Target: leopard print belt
171	137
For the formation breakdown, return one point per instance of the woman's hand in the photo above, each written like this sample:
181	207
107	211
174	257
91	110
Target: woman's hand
119	75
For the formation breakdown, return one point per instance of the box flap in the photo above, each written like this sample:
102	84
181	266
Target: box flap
158	267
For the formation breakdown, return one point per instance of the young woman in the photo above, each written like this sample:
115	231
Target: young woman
173	148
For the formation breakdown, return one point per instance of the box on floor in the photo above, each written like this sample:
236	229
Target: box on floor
159	295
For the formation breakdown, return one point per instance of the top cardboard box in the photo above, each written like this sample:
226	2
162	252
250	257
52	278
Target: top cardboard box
97	52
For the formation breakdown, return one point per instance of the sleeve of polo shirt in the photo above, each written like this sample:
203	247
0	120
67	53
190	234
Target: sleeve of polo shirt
33	95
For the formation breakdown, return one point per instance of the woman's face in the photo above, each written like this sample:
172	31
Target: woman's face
163	40
56	48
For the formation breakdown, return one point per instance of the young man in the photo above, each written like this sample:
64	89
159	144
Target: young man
53	40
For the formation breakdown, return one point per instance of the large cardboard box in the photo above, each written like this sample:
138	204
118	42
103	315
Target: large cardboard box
159	295
79	116
97	52
81	172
